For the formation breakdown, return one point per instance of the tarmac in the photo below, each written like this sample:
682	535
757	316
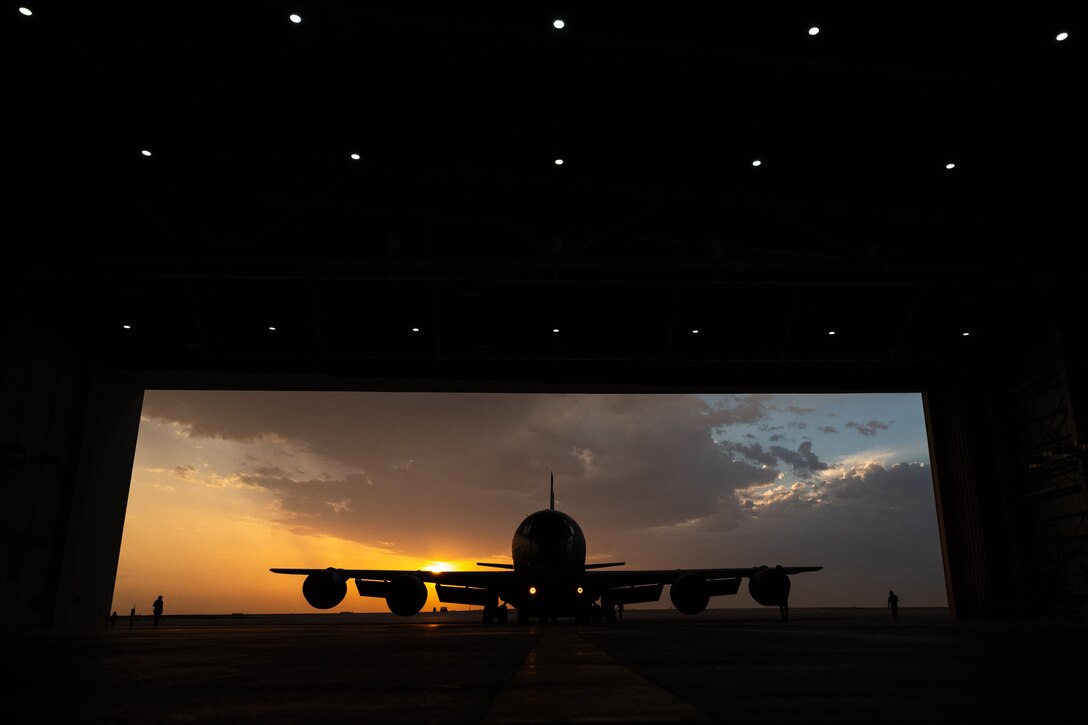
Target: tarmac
737	666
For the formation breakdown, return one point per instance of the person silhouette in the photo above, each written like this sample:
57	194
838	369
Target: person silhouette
132	616
156	609
784	602
893	604
113	618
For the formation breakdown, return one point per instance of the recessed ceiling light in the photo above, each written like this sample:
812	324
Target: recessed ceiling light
145	152
1059	37
295	18
950	166
813	30
26	11
355	157
558	24
757	162
559	162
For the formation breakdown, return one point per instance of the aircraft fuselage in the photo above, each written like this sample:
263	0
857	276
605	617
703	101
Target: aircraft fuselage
549	554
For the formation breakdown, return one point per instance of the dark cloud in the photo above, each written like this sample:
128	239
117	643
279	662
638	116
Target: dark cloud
803	461
868	429
798	410
827	429
184	471
872	528
753	452
445	464
269	472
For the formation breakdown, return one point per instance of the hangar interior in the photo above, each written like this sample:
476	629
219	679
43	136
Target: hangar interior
342	196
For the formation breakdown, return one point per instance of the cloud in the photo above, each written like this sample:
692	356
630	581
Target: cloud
829	429
803	461
798	410
448	476
868	429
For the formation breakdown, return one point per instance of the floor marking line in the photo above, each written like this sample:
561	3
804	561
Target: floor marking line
566	679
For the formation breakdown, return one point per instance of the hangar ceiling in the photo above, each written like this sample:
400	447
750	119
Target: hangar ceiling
190	173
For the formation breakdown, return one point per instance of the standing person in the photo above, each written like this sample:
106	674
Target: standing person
893	604
132	616
784	601
113	618
156	608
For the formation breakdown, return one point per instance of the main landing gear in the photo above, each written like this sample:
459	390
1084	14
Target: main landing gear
496	613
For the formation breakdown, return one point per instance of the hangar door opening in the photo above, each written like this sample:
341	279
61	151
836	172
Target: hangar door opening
226	484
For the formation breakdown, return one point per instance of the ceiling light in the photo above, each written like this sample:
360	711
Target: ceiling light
145	152
813	30
559	162
295	18
1059	37
558	24
26	11
355	157
757	162
950	166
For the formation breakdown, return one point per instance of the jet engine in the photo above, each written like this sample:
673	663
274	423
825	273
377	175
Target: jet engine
324	590
689	593
770	587
406	595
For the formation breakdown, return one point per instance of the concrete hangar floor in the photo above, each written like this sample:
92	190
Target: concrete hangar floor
825	665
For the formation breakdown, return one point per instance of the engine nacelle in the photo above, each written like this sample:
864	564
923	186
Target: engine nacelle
770	587
689	594
406	595
324	590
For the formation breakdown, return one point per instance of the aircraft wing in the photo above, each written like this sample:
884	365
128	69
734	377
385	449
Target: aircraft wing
405	590
479	579
622	578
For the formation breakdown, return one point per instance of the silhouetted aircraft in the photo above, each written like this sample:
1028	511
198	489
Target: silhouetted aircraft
548	579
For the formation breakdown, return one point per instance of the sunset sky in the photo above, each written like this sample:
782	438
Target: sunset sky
227	484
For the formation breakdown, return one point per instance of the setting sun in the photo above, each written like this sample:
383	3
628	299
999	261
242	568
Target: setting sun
439	566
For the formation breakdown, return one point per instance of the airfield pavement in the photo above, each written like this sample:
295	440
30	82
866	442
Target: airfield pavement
730	665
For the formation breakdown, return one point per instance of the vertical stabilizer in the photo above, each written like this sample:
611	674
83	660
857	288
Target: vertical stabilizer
552	503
